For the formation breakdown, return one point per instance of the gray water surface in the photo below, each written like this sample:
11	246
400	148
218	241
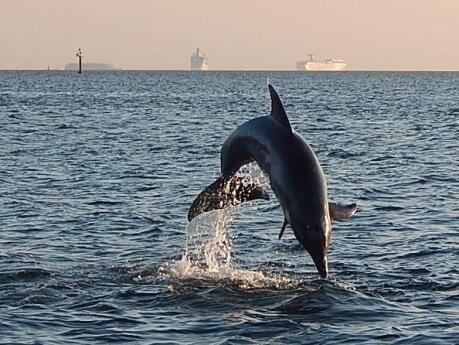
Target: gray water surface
98	172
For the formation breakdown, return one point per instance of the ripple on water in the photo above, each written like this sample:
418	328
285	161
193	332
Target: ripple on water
98	172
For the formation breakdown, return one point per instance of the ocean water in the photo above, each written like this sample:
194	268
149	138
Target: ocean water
98	172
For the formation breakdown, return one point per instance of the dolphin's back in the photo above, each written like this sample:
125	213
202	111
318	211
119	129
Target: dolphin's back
292	167
257	140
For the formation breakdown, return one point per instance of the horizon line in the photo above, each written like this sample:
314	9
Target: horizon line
118	69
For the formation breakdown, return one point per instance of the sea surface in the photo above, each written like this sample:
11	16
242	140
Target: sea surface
98	171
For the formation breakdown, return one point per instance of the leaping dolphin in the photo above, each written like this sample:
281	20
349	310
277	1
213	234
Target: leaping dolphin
294	173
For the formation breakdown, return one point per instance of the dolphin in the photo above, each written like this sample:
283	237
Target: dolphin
295	176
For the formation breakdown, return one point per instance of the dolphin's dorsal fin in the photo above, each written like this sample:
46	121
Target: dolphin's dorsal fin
277	110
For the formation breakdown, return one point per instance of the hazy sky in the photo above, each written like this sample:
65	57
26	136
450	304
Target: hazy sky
236	34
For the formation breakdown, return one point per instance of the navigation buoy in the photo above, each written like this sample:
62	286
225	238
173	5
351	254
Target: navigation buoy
79	55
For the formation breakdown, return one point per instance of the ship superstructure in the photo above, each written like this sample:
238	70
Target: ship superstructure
198	61
325	65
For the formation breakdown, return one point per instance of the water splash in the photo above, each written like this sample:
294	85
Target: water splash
208	252
208	243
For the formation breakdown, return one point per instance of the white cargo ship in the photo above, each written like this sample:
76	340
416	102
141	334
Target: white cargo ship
325	65
198	61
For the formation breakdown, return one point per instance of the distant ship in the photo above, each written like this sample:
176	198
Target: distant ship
326	65
91	66
198	61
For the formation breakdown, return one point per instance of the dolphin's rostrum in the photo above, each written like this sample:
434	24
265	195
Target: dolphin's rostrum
295	175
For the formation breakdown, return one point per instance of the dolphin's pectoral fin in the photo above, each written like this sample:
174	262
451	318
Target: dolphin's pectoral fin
341	212
283	228
278	111
225	191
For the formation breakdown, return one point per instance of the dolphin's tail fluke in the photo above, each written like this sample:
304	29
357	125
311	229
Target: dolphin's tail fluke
225	191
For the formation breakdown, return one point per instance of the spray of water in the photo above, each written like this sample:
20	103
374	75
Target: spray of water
208	252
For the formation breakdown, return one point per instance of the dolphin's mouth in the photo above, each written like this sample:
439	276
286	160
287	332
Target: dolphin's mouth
322	266
323	272
315	245
318	254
